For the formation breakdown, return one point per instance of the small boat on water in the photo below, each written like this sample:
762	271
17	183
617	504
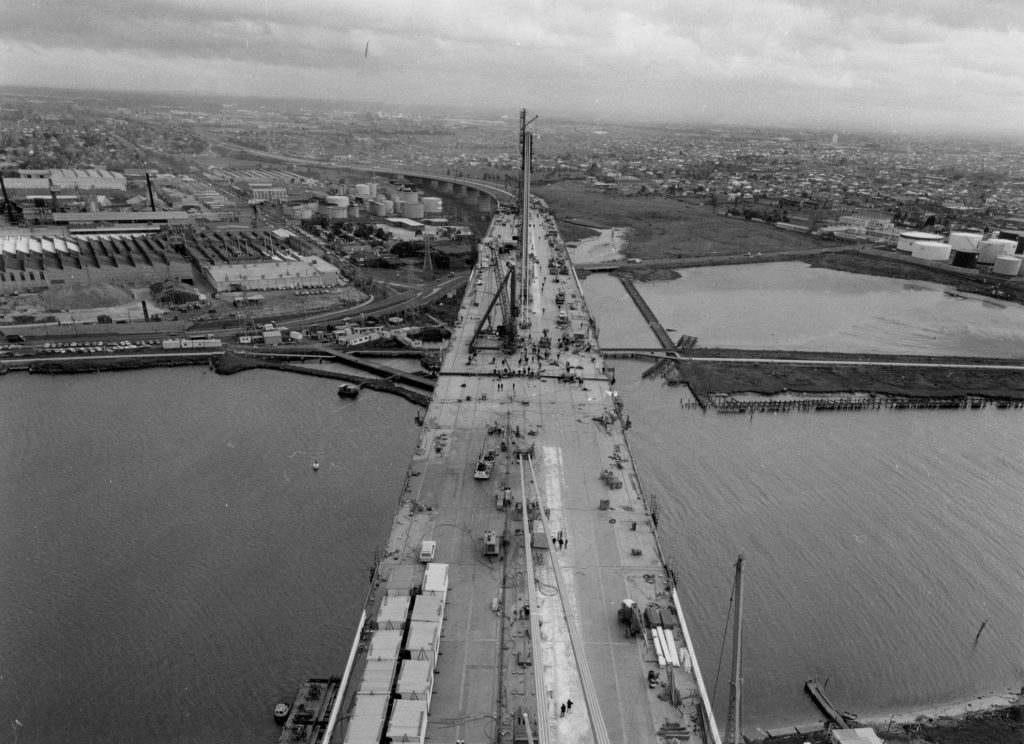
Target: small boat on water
348	390
281	711
316	464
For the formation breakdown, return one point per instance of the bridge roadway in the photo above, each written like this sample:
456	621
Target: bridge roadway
497	660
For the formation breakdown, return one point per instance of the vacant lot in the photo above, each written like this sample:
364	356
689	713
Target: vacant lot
661	227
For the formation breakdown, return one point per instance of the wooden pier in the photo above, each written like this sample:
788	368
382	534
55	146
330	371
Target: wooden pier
652	320
813	688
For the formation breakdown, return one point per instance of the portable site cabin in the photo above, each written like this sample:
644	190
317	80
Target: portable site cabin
427	608
408	722
393	612
366	723
424	639
403	579
385	644
416	680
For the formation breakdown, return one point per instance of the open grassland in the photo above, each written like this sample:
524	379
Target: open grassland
662	227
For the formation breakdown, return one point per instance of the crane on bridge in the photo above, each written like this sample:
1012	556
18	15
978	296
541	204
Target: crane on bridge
490	335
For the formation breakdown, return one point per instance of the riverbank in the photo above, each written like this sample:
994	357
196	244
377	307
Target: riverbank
993	718
910	383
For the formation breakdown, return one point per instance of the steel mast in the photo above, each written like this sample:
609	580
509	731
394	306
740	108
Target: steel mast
733	731
526	148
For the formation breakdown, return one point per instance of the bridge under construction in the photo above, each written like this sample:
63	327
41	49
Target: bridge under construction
522	595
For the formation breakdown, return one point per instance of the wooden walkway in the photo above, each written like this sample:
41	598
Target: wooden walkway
652	320
817	693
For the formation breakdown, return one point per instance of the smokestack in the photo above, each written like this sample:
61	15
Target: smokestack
152	204
7	201
145	311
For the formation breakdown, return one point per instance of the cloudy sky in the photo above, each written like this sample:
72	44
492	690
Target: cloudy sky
893	65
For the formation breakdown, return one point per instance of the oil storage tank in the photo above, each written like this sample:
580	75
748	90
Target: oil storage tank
989	249
431	204
1007	265
965	259
412	210
930	250
965	241
912	236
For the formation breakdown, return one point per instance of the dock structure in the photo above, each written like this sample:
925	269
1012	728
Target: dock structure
652	320
493	613
832	714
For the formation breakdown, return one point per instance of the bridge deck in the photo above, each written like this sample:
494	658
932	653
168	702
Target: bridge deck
508	645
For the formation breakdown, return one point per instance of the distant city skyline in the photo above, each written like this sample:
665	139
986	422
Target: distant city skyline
912	66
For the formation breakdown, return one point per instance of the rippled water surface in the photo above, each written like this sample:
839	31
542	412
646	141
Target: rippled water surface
171	564
876	544
793	306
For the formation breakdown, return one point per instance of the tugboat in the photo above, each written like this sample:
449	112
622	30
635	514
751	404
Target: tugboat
348	390
281	711
316	465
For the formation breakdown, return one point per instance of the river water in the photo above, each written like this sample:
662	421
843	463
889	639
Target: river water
790	305
172	566
876	542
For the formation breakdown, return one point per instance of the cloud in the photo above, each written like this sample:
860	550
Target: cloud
791	61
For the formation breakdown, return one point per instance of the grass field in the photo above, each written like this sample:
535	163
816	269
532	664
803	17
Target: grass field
662	227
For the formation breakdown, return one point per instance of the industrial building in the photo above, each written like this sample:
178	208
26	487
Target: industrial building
31	262
297	272
41	182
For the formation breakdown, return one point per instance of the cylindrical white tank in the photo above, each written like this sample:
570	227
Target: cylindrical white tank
1007	265
353	211
338	201
412	211
964	241
334	212
930	250
431	204
989	249
363	189
906	238
408	197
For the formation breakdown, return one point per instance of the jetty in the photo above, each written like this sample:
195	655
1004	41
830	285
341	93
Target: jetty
652	320
813	688
493	609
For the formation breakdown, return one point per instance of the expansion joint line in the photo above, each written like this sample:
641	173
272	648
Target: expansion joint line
587	682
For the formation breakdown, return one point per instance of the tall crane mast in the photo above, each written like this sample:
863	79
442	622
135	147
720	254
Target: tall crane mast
733	733
526	149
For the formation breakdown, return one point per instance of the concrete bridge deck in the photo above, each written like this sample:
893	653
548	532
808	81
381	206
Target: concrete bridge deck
528	630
